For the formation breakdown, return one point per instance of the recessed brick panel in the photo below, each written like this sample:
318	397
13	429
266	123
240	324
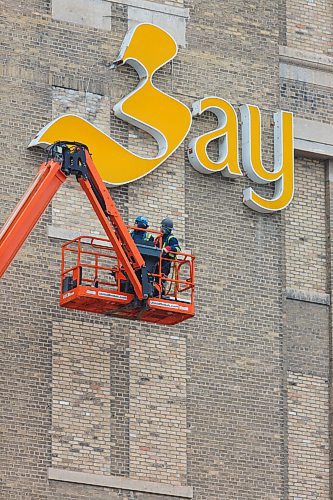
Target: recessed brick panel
305	236
308	440
158	407
81	397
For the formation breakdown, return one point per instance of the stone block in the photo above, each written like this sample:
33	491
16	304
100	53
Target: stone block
90	13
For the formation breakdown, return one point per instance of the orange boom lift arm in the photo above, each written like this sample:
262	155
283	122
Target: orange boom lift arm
67	159
112	275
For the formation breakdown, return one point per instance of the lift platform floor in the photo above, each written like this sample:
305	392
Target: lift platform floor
124	305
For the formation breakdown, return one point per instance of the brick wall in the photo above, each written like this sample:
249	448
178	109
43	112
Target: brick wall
81	397
309	25
307	334
306	243
307	364
158	407
308	436
81	219
308	101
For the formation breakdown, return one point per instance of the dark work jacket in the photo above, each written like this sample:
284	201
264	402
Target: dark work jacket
141	237
171	241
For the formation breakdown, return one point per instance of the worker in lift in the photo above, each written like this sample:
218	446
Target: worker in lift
142	238
139	235
169	246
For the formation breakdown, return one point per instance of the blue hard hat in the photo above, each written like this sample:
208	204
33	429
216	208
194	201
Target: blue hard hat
142	222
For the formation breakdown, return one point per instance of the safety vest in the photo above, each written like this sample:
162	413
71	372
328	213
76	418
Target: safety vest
147	236
138	238
166	243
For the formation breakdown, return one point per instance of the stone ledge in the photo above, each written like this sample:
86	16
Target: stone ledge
90	13
63	234
155	7
308	296
123	483
306	75
312	138
98	14
172	19
305	59
312	130
307	67
313	149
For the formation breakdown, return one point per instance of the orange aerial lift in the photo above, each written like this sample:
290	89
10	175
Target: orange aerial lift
111	275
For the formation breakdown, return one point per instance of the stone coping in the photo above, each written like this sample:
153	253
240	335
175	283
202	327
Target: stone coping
305	58
60	233
155	7
123	483
306	67
313	138
308	296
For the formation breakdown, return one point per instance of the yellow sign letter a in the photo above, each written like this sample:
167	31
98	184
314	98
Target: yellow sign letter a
283	172
146	48
227	135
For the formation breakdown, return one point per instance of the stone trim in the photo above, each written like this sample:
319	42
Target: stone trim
312	138
155	7
305	59
306	75
62	234
312	130
313	149
330	171
89	13
98	14
308	296
123	483
307	67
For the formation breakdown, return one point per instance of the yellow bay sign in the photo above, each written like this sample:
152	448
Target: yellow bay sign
147	48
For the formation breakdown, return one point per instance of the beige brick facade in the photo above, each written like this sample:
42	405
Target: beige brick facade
81	397
158	407
309	25
306	239
235	403
308	440
96	109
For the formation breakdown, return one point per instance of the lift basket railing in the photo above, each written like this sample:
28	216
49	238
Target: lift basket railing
92	261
